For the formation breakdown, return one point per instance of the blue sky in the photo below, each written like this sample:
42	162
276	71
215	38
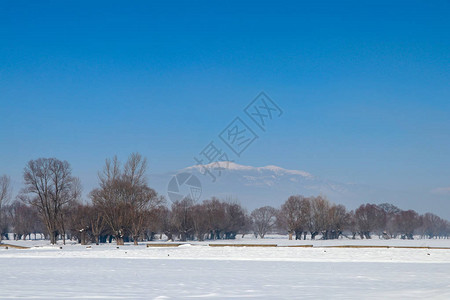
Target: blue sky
364	86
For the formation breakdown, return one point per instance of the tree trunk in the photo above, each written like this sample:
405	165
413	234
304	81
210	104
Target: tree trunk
119	241
83	238
53	237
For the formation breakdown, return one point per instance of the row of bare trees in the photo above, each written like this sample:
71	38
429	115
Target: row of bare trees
124	208
214	219
316	215
121	203
299	214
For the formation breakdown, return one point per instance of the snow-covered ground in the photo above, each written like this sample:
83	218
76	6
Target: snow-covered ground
196	270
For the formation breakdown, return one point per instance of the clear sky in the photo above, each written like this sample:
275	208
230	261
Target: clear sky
364	86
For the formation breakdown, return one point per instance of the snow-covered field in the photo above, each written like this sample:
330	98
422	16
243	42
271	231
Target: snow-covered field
196	270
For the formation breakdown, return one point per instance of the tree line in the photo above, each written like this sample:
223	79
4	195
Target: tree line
123	208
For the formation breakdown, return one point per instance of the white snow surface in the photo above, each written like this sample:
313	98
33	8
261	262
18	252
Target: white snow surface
196	270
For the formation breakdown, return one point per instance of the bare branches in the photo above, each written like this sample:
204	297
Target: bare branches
5	197
264	219
134	170
50	186
124	197
5	190
294	215
370	217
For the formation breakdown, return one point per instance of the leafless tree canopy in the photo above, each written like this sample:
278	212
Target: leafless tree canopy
50	187
124	197
264	219
5	190
294	215
5	196
369	218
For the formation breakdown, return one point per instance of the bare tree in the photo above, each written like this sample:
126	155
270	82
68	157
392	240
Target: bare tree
163	216
391	226
294	215
96	223
352	224
429	225
125	198
50	185
66	212
337	220
111	199
434	227
235	219
5	190
79	222
264	219
200	221
389	208
5	223
24	219
216	215
369	217
319	216
5	197
144	203
407	222
182	218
